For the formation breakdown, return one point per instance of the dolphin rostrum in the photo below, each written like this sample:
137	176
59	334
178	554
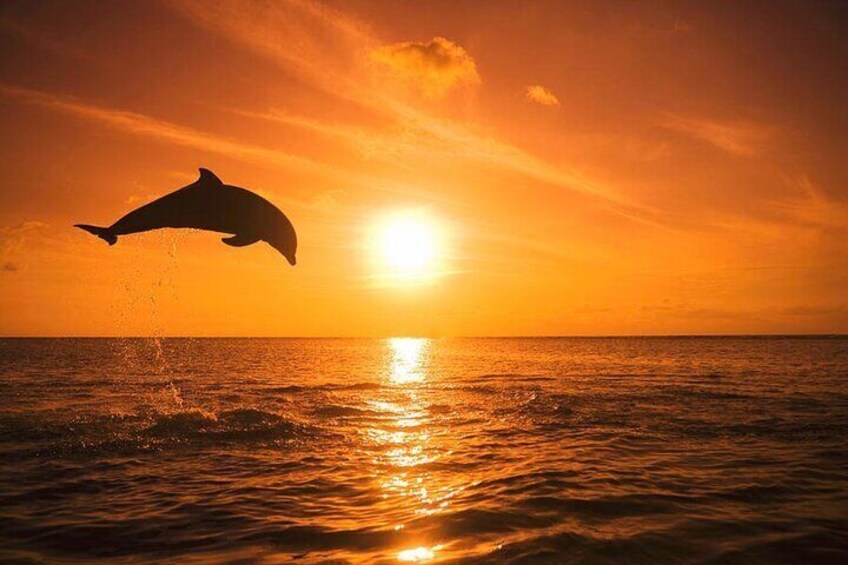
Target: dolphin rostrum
209	204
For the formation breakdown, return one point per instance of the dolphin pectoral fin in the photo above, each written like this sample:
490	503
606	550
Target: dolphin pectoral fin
240	240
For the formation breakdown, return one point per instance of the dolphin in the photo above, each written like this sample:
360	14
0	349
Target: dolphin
209	204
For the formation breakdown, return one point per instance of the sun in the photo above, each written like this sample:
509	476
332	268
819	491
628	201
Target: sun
408	246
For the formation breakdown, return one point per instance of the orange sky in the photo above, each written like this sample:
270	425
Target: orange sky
596	168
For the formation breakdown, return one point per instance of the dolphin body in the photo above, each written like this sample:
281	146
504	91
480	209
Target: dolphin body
209	204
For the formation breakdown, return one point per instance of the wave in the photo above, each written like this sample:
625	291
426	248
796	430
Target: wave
242	424
513	378
343	411
127	433
294	389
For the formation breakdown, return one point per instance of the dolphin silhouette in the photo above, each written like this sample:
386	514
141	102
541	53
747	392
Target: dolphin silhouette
209	204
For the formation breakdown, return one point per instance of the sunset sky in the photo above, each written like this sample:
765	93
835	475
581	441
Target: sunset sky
584	168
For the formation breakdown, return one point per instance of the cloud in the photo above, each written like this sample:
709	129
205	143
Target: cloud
435	67
813	208
687	311
681	26
541	95
12	242
333	52
418	138
741	138
140	124
815	310
12	235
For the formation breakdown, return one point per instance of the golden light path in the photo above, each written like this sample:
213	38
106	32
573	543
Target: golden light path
407	359
407	438
418	554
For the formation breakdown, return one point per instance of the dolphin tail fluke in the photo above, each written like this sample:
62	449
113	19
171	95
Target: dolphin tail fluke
103	233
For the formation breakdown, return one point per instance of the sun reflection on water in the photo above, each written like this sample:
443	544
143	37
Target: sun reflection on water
407	359
406	437
418	554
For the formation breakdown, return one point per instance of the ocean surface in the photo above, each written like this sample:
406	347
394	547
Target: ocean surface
612	450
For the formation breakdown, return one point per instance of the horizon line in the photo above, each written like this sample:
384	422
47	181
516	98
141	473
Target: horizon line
516	336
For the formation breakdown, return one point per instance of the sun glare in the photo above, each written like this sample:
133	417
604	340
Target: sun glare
418	554
408	247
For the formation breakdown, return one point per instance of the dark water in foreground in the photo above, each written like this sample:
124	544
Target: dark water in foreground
512	450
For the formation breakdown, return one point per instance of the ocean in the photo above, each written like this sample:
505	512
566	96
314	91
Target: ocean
549	450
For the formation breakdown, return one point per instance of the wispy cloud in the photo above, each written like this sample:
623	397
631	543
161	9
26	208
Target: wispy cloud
681	26
369	142
810	310
11	237
317	42
333	52
791	219
13	240
742	138
687	311
541	95
812	207
435	66
140	124
440	141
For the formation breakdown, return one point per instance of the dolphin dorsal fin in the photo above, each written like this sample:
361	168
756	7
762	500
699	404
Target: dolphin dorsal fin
208	178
